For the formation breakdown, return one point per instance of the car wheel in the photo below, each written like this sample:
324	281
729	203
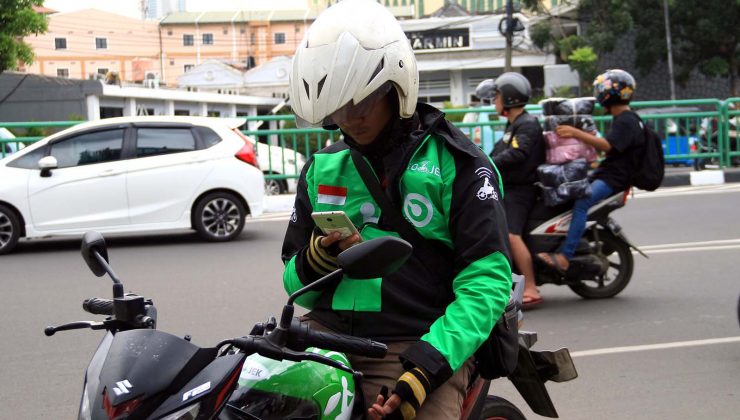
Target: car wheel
219	217
10	229
275	186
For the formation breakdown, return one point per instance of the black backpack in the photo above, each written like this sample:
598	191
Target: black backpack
650	164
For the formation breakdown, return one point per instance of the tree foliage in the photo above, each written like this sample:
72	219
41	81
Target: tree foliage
18	20
705	34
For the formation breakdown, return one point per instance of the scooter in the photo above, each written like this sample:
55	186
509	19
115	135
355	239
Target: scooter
282	369
603	264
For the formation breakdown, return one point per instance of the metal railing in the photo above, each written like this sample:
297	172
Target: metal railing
691	129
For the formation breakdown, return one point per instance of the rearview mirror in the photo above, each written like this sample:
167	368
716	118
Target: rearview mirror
374	258
46	164
91	242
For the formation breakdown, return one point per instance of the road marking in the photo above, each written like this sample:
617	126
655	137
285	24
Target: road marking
270	217
692	190
680	244
662	346
718	245
691	249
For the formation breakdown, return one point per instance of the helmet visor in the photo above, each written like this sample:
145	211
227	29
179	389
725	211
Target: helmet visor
362	109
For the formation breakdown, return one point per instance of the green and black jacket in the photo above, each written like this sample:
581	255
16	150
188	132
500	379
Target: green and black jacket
450	191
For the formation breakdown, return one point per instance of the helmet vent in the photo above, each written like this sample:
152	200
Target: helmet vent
305	85
321	86
377	69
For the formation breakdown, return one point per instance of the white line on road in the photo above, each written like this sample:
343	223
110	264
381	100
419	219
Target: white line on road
691	249
700	243
693	190
662	346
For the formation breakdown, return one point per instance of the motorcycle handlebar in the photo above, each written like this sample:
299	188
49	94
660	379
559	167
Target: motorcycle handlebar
302	336
98	306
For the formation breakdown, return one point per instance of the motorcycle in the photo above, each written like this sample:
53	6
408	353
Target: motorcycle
282	369
603	264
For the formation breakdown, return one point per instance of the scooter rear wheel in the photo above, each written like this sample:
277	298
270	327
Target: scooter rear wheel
497	408
618	256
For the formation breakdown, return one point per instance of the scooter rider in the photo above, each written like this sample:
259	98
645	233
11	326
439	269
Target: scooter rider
356	70
517	155
613	89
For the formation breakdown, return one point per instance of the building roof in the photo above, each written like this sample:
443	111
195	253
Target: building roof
243	16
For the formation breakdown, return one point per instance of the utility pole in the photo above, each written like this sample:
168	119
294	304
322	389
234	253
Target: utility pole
670	50
509	34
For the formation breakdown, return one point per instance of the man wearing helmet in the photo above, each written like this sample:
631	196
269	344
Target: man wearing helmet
613	90
356	70
517	155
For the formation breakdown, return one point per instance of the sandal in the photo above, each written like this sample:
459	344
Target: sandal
529	302
552	262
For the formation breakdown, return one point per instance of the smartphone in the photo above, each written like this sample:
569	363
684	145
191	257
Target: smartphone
335	221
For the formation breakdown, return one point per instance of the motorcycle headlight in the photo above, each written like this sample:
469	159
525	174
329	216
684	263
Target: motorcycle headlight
85	406
188	413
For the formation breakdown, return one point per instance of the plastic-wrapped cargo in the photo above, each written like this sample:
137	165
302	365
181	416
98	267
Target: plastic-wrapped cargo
582	122
564	149
555	175
555	196
563	106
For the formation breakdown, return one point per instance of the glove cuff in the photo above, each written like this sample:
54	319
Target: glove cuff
413	387
318	258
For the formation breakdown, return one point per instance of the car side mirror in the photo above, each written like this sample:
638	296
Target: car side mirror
46	164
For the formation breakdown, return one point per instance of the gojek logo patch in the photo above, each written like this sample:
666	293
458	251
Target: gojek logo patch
418	209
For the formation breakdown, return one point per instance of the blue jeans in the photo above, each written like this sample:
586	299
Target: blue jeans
599	191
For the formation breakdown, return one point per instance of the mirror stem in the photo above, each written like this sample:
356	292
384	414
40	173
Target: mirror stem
336	274
117	286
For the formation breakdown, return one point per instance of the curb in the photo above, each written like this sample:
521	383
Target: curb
684	178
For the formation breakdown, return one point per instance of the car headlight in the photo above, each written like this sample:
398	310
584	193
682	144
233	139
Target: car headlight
188	413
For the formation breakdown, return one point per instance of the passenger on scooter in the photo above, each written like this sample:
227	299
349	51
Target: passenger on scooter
613	90
355	70
517	156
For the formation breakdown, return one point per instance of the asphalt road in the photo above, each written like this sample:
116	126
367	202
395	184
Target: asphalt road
684	294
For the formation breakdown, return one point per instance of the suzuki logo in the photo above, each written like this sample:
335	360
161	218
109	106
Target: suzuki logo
122	387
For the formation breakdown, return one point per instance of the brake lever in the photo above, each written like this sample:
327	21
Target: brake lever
49	331
296	356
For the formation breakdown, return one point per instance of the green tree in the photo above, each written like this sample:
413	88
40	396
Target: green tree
705	36
17	20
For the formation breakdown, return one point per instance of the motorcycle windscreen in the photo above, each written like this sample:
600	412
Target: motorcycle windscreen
270	389
142	363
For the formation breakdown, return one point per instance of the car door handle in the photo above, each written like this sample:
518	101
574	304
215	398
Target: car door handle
110	172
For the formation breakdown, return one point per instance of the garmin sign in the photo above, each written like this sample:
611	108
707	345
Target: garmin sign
441	39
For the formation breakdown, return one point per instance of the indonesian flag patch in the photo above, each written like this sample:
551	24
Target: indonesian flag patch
329	194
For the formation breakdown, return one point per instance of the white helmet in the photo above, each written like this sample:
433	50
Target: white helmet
353	49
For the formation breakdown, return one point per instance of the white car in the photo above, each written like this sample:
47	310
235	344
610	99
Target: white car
276	160
132	174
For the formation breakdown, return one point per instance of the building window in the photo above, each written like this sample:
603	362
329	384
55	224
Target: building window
172	62
63	73
187	67
251	38
169	32
187	40
102	70
207	39
101	43
242	31
279	38
60	43
226	31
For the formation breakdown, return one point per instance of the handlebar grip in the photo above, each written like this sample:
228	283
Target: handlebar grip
98	306
346	344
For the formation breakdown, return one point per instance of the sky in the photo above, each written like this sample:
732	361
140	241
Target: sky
131	7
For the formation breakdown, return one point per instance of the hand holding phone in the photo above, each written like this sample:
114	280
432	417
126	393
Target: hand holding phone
335	221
